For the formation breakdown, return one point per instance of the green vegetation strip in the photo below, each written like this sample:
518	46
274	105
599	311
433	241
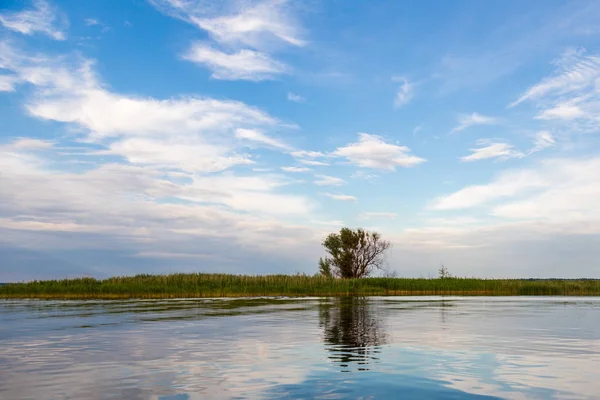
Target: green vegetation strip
221	285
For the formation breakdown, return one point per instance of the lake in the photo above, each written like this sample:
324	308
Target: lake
328	348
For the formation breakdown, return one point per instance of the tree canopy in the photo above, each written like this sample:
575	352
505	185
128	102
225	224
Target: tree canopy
353	253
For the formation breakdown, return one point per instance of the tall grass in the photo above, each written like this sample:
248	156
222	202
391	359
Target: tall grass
222	285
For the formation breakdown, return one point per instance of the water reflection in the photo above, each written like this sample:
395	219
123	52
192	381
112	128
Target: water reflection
411	348
352	331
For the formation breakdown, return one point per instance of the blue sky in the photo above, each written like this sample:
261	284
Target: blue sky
186	135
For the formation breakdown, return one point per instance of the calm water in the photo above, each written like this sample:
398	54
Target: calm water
394	347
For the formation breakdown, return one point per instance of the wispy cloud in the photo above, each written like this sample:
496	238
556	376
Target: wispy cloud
575	71
307	154
405	92
42	18
257	136
341	197
467	120
309	157
173	255
501	151
96	22
326	180
8	83
254	24
503	49
296	169
249	30
376	214
372	152
91	21
363	175
541	141
570	95
241	65
296	98
312	162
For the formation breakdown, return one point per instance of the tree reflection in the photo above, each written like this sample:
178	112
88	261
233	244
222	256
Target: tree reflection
352	332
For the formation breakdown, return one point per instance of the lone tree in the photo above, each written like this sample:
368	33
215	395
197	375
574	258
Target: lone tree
353	254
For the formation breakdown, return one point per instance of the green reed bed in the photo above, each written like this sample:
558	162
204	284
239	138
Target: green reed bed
222	285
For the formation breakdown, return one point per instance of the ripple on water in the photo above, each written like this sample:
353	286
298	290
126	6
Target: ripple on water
426	347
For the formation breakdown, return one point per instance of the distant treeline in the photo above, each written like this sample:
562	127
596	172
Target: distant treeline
560	279
223	285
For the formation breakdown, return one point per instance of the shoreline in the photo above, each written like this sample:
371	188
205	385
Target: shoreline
200	285
157	296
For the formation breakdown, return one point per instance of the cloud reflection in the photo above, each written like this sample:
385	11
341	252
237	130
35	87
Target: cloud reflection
421	347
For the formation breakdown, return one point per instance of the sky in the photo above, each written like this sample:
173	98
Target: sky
159	136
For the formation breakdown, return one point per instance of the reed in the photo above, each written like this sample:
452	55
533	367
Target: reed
223	285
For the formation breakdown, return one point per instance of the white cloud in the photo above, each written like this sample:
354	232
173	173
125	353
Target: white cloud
561	111
295	169
31	144
163	181
312	162
145	116
561	192
571	194
245	32
256	136
50	199
506	185
308	157
296	98
8	83
405	92
467	120
241	65
256	24
541	141
376	214
190	133
502	151
326	180
341	197
307	154
42	18
372	152
182	154
250	193
363	175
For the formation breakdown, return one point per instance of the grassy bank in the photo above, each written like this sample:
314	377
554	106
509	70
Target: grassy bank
220	285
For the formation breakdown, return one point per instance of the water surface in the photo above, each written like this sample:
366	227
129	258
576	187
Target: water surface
379	347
